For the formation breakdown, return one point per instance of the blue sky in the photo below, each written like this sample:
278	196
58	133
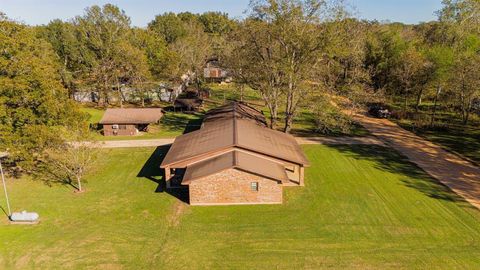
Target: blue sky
142	11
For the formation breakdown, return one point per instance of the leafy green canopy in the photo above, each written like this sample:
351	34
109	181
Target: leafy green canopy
33	102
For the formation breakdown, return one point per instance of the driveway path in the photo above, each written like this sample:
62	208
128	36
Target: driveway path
300	140
135	143
339	140
451	170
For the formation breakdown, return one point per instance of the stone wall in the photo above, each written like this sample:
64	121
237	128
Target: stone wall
233	186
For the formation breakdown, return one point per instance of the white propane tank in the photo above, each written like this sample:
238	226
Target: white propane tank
24	216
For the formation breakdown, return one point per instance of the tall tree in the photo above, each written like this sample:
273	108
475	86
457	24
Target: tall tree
68	49
169	26
33	102
192	51
296	27
112	58
441	58
253	57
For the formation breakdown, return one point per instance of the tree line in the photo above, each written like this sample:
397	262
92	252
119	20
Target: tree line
298	55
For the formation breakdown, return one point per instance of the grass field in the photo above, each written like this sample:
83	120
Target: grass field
171	125
363	207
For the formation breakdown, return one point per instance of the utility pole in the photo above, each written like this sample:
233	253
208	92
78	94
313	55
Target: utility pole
2	155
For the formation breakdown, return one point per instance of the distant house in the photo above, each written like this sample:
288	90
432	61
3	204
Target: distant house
129	122
213	71
234	158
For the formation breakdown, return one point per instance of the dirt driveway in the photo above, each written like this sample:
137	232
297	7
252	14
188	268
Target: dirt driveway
135	143
300	140
451	170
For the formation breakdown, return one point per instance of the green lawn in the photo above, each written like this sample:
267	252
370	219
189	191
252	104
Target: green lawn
171	125
363	207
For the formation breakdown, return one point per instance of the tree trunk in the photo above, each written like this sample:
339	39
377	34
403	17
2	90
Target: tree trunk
288	122
289	112
405	102
79	183
435	102
273	107
120	98
242	87
467	113
419	100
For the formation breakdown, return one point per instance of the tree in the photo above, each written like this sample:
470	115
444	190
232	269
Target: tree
461	14
104	32
192	51
253	58
297	28
466	82
33	102
61	36
169	26
69	162
441	58
216	23
161	60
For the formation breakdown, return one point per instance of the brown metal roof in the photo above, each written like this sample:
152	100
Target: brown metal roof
237	160
235	110
235	132
132	116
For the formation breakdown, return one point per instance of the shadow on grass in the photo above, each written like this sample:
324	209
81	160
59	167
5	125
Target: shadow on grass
193	125
151	171
387	159
305	126
180	122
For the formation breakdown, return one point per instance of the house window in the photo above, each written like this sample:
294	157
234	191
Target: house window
114	126
122	126
254	186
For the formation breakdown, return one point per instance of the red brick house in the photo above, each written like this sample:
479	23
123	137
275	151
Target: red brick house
234	158
129	122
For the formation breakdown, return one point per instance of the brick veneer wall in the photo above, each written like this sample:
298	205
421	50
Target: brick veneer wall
232	186
129	131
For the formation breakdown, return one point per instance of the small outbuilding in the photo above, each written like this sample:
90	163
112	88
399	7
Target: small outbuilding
129	122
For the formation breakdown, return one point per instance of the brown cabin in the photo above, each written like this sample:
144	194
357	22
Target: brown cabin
234	158
129	122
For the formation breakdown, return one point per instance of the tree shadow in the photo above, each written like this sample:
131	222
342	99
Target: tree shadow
177	122
151	170
193	125
387	159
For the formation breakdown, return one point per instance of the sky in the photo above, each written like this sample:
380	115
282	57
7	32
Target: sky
36	12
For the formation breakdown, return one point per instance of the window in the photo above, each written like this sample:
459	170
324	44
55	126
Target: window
114	126
254	186
122	126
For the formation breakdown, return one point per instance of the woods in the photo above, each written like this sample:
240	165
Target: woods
298	56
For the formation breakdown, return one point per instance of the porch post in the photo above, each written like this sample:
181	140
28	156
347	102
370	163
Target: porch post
167	176
302	176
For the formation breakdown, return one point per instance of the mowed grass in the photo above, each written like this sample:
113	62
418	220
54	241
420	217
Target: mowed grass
363	207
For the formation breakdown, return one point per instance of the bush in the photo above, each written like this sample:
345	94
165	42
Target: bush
329	118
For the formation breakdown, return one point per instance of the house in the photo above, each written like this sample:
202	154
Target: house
234	158
128	122
213	71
